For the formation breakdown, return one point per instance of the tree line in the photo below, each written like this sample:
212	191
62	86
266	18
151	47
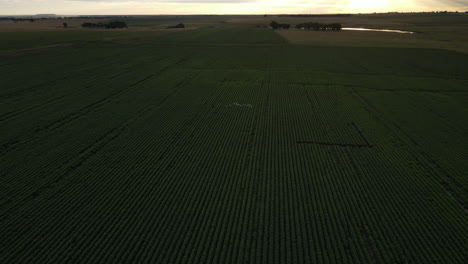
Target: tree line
112	24
318	15
309	26
180	25
320	26
276	25
22	19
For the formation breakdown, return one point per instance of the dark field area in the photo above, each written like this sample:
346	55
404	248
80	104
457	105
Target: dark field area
229	145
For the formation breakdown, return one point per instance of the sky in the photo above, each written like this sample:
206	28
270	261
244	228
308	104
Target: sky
156	7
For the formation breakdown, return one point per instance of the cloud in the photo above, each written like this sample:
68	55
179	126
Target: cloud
457	2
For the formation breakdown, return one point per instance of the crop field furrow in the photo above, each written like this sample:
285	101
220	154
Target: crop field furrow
80	65
118	129
84	92
83	111
84	155
48	103
163	100
75	73
227	144
110	97
335	144
443	142
452	125
13	114
169	167
449	184
65	91
229	149
420	146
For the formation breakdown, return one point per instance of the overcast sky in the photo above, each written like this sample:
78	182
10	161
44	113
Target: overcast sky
97	7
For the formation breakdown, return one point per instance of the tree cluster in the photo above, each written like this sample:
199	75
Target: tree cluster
319	26
180	25
112	24
317	15
94	17
276	25
22	19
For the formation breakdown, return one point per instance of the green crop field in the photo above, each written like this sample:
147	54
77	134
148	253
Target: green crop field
230	145
11	41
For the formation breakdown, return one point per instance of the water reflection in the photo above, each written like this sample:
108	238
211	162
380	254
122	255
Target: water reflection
380	30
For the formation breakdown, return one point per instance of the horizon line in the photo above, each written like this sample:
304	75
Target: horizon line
259	14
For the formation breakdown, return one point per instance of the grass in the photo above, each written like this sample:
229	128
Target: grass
231	145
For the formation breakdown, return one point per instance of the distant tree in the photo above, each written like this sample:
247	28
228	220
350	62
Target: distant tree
22	19
319	26
180	25
92	25
336	26
116	24
112	24
276	25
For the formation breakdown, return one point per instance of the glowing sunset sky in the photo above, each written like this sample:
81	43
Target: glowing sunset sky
75	7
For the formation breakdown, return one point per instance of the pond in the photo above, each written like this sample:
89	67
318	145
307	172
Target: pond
380	30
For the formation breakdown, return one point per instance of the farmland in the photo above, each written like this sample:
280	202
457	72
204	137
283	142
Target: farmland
228	145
